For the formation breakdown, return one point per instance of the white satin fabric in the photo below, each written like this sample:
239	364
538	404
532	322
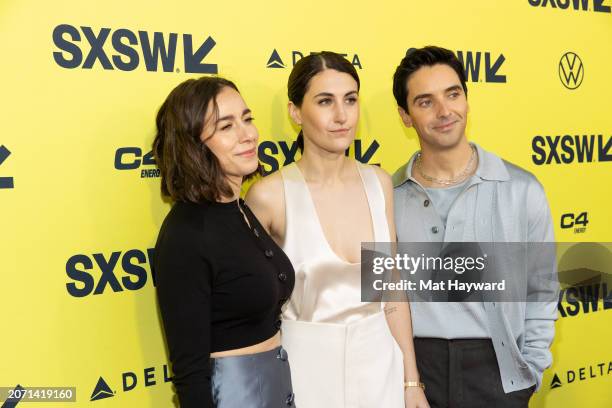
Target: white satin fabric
341	351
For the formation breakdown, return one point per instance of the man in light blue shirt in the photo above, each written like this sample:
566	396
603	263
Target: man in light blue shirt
472	354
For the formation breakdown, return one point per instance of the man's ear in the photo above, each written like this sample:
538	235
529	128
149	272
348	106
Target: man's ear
405	116
295	113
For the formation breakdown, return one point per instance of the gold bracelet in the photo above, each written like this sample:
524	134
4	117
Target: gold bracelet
414	384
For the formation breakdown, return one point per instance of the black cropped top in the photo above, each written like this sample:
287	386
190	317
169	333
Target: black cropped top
220	286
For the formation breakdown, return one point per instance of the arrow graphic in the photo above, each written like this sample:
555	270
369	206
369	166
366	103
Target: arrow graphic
5	182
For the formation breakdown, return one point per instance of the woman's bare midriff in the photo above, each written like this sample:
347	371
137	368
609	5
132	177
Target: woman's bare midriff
265	345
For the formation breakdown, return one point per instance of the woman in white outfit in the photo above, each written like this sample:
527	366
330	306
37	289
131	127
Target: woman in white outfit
344	353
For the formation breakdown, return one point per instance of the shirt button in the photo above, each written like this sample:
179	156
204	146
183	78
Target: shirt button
435	230
269	253
503	343
290	399
279	323
282	277
256	232
426	203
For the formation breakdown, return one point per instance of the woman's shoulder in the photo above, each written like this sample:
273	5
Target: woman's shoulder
383	177
266	190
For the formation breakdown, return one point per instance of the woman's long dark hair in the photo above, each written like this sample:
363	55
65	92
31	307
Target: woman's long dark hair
308	67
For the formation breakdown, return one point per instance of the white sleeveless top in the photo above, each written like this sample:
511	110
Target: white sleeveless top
327	288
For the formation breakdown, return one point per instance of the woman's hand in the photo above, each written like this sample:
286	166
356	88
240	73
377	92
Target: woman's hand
414	397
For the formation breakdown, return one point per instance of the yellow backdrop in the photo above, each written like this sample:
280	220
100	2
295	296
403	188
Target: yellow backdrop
79	195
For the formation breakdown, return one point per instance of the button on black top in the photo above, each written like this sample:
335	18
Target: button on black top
256	232
426	203
435	230
282	277
269	253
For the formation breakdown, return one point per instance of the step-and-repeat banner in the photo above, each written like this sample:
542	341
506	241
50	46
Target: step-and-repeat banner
80	205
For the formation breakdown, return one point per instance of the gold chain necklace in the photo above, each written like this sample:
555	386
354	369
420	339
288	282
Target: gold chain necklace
447	182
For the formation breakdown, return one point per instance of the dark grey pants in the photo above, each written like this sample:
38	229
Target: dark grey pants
464	373
261	380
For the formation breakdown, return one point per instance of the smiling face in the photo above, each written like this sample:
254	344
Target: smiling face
231	135
329	111
437	106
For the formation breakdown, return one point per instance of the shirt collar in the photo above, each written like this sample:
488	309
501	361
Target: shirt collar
490	167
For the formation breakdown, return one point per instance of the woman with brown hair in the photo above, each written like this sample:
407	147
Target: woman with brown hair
344	352
220	279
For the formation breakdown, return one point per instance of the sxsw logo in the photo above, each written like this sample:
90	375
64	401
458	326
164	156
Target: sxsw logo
131	380
132	158
584	299
569	149
582	374
94	274
275	60
275	155
571	70
584	5
5	182
85	47
480	66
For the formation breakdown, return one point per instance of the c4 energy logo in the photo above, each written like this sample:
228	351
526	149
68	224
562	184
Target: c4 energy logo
131	380
571	70
123	52
569	149
132	158
5	182
80	268
275	60
101	391
582	5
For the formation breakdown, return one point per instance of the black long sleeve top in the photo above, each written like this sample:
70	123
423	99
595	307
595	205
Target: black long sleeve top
220	286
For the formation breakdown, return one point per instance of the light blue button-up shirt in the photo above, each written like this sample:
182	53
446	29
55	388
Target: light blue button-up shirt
501	203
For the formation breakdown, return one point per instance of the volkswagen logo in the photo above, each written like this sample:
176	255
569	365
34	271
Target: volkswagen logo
571	70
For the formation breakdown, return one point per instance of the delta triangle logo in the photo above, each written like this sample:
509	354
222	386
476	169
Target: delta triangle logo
275	61
101	391
556	382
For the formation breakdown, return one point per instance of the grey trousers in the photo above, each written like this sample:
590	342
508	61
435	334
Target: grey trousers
261	380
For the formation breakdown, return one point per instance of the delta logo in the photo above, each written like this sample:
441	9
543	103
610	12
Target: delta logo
131	380
275	60
123	49
580	374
